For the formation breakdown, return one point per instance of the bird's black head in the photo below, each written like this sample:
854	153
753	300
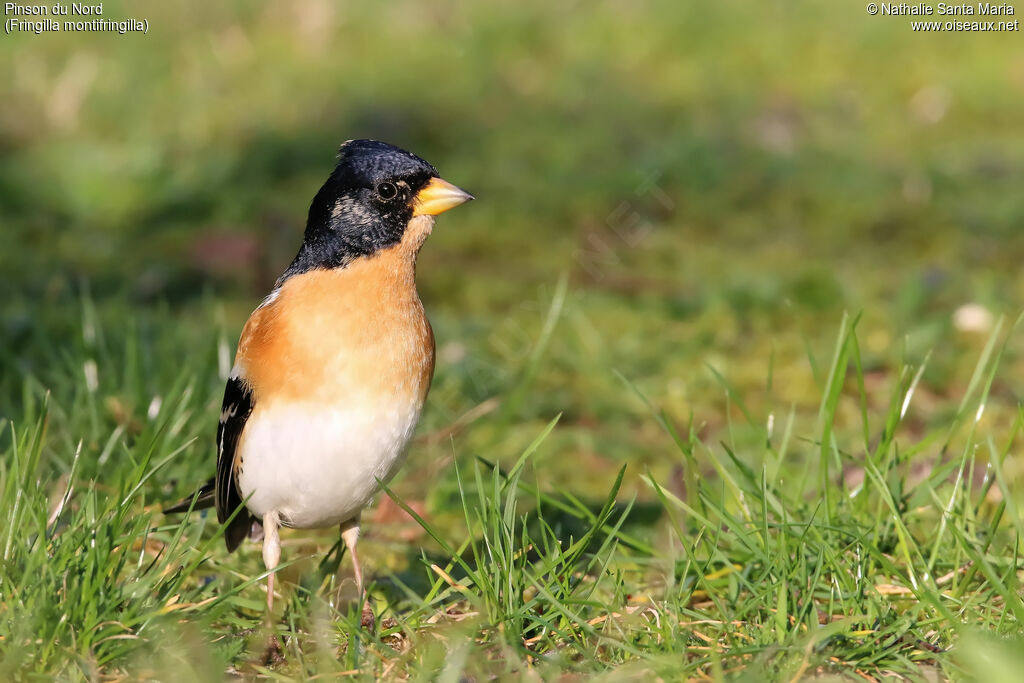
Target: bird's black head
367	203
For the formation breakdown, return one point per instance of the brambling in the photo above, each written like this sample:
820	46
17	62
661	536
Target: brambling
334	366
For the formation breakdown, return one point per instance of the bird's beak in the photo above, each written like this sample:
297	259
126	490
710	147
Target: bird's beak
438	196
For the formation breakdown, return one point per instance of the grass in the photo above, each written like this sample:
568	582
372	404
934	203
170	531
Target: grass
794	546
704	405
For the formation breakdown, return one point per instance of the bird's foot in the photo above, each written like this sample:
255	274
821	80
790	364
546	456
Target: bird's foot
272	653
367	620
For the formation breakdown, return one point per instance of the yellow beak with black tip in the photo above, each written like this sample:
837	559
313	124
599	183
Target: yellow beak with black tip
438	196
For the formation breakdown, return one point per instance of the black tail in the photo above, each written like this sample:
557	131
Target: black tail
243	525
203	498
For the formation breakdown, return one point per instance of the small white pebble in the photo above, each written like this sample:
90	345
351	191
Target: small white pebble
92	375
972	318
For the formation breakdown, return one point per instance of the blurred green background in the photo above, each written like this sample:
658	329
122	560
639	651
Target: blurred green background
679	196
718	181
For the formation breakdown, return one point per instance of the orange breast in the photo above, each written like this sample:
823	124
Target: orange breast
347	334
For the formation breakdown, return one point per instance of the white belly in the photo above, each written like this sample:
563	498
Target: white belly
318	467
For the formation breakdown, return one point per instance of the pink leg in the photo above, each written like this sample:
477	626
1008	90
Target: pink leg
350	534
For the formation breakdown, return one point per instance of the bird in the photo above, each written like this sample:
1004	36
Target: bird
333	368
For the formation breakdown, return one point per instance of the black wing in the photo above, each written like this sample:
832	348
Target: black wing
238	403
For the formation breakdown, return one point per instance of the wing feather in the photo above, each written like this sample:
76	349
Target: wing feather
237	406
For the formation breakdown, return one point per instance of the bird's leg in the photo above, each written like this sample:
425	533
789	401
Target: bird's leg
350	534
271	556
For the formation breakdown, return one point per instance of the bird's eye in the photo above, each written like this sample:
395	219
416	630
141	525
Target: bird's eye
387	191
